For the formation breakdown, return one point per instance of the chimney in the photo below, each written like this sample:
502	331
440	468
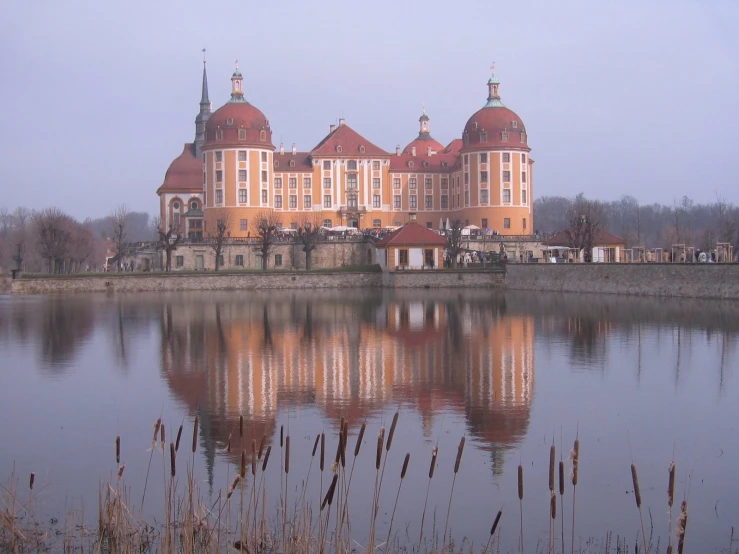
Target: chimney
331	128
397	150
282	148
428	151
295	149
342	121
413	150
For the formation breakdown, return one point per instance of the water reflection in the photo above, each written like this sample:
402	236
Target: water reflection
352	356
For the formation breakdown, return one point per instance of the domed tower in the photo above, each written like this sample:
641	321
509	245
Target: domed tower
496	171
424	144
237	158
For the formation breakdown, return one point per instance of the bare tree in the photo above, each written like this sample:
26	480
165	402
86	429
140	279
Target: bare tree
19	235
168	237
454	241
81	246
217	233
265	227
586	219
52	237
309	232
118	221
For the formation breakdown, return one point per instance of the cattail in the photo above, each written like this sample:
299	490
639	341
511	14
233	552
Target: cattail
266	457
338	448
359	439
671	486
323	449
405	465
315	446
682	523
172	462
177	442
228	444
330	492
553	504
282	436
287	454
253	457
392	432
342	449
261	445
380	441
575	461
31	480
460	449
635	479
345	434
552	463
520	482
195	434
561	478
495	523
242	466
162	436
669	549
157	424
233	486
241	426
120	471
434	452
118	449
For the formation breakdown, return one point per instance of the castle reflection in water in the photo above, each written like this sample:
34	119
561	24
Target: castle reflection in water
351	356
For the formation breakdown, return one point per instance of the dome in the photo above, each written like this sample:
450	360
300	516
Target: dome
233	117
185	173
421	144
498	126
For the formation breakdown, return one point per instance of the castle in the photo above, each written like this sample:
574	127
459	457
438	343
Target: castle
484	178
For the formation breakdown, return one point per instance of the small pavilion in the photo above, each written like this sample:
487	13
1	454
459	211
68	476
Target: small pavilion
411	246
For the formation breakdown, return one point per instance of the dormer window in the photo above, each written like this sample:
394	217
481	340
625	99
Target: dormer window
292	163
262	135
523	137
242	134
443	164
410	164
483	137
466	139
474	125
425	164
514	124
361	148
276	163
504	137
338	148
230	121
219	134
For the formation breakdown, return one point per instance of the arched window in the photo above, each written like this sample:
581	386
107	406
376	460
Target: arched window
262	135
230	121
219	134
410	164
194	205
176	205
242	134
292	163
361	148
338	148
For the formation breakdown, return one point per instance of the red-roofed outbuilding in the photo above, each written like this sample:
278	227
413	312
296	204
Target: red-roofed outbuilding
412	246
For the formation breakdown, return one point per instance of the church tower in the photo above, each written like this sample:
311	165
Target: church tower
203	116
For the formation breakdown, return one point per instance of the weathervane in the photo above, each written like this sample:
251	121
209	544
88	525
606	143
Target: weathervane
237	62
203	55
492	68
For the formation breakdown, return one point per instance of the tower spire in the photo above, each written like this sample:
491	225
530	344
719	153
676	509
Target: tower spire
494	90
237	85
204	114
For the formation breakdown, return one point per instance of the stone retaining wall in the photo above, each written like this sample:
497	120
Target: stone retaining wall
256	281
5	281
684	280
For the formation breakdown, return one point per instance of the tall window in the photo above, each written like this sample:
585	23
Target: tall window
239	260
523	223
396	201
351	182
412	183
351	165
483	137
264	156
264	197
444	183
483	176
264	176
506	157
403	257
293	182
219	156
466	198
506	223
219	196
327	183
242	155
413	201
278	260
466	178
523	158
242	224
219	176
376	183
327	165
376	201
466	159
506	196
524	197
242	134
293	201
523	176
484	196
351	201
242	175
278	182
376	166
396	182
242	196
484	222
484	158
219	134
429	202
504	137
306	182
307	202
429	183
327	201
506	176
444	202
278	201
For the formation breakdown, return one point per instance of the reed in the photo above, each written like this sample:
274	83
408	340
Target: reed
575	455
457	461
670	501
492	530
432	468
118	450
157	424
378	462
637	498
520	502
562	499
177	442
682	523
552	494
397	496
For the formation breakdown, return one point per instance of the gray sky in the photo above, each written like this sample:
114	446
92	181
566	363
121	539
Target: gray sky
633	97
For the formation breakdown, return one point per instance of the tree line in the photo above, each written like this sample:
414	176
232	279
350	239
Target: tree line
650	225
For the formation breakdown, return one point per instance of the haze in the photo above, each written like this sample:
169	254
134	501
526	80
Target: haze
619	98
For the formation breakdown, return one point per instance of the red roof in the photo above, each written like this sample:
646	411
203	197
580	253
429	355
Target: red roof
423	163
601	238
412	234
421	144
494	121
345	141
185	173
233	117
300	162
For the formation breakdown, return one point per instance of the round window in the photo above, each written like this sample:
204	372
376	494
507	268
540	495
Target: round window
194	206
176	205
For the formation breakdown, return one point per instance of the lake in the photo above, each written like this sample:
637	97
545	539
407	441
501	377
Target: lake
646	380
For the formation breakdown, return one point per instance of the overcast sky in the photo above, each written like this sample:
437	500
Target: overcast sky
634	97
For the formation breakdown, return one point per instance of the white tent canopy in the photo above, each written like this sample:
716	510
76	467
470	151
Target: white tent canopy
473	227
557	248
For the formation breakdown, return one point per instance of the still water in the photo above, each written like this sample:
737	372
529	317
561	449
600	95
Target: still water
648	379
